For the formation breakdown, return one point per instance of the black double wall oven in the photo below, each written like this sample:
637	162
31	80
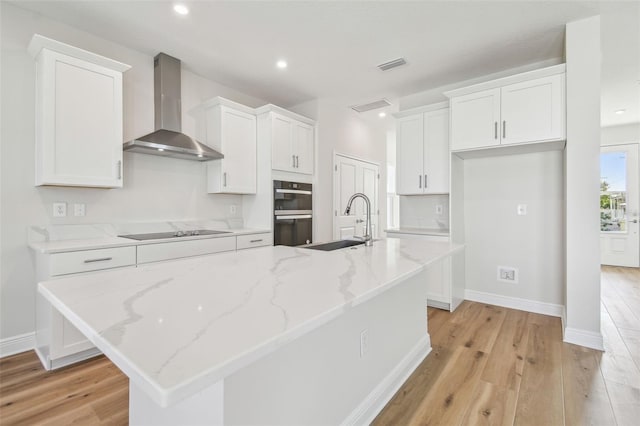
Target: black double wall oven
292	215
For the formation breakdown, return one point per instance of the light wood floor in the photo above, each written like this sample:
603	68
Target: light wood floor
489	365
498	366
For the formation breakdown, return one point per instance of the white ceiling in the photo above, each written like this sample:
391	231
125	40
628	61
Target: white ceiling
333	47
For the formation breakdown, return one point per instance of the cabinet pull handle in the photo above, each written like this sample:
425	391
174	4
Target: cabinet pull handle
100	259
224	179
293	161
119	166
419	181
495	130
256	241
297	162
504	129
425	181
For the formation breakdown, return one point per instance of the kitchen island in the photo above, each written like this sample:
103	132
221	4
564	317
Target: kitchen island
272	335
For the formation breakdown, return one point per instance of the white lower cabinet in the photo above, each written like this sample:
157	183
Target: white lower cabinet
175	250
254	240
58	342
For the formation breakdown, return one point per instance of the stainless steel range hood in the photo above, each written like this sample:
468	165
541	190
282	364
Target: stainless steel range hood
168	139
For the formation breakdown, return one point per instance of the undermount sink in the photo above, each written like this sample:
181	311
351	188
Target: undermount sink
335	245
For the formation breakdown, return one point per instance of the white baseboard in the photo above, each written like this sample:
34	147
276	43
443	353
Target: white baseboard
585	338
373	404
16	344
515	303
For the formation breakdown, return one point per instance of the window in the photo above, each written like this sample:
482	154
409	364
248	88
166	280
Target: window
613	191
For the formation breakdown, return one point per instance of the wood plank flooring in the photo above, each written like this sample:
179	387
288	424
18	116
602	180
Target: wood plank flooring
489	365
528	376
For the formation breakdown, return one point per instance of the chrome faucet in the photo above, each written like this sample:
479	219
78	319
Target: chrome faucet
368	240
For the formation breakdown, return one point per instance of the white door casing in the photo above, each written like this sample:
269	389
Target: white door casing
350	176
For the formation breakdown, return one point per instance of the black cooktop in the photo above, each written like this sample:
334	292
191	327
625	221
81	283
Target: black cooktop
173	234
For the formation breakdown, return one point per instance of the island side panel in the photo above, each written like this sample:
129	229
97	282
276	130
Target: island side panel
321	377
203	408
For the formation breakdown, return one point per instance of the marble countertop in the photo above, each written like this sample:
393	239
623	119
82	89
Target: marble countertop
61	246
180	326
419	231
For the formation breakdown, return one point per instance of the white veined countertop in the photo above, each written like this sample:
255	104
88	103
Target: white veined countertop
178	327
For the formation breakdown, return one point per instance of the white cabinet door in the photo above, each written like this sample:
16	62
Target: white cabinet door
475	120
78	122
303	147
234	134
410	154
533	110
66	339
282	156
436	152
292	145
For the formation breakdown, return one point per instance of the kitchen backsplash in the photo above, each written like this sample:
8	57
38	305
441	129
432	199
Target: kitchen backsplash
423	211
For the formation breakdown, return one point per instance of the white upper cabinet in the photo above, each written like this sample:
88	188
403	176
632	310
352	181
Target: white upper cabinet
521	109
291	143
303	147
474	119
78	116
230	128
533	110
422	151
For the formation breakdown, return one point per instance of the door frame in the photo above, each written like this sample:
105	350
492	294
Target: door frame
334	166
637	183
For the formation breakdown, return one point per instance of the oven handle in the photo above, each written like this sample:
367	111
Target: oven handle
290	212
294	216
292	191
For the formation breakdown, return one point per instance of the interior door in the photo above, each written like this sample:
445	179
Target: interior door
351	176
619	241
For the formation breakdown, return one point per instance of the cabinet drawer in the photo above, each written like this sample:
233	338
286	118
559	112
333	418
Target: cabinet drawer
254	240
174	250
91	260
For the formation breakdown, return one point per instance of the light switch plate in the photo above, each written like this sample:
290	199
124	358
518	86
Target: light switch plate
522	209
78	209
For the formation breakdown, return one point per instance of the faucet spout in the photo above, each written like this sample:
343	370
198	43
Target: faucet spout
368	239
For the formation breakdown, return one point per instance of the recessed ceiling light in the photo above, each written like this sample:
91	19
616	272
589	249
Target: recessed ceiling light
282	64
160	149
382	114
621	111
181	9
199	155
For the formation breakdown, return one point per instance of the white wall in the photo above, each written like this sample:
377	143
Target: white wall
582	179
496	235
626	133
344	131
155	188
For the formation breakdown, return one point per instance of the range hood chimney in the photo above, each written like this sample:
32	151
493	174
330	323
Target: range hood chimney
168	139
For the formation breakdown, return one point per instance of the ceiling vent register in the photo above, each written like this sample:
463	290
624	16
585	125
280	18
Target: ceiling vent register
382	103
392	64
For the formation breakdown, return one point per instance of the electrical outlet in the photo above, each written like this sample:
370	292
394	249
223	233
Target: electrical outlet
78	209
522	209
508	274
364	342
439	209
233	209
59	209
